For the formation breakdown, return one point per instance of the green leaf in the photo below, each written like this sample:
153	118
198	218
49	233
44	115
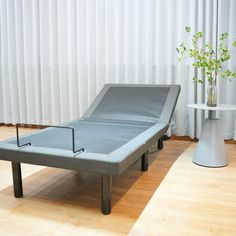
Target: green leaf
234	44
200	34
187	29
228	72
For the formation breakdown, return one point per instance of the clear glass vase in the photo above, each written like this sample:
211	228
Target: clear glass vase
212	94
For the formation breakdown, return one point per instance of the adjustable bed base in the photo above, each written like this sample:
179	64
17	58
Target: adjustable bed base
117	129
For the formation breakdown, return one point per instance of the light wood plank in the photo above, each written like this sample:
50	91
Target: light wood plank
192	200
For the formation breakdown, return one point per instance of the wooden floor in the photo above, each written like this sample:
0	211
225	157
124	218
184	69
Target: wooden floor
192	200
62	202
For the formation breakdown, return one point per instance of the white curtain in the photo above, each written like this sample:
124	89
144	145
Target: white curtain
56	55
227	90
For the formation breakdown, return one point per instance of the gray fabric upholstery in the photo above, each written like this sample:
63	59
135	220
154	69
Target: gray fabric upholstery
94	136
132	103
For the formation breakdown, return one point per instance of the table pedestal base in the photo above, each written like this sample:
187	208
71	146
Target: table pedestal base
210	149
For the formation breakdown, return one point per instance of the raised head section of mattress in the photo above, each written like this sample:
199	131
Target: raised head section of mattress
119	114
140	103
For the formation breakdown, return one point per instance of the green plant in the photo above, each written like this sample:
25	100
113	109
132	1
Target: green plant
206	58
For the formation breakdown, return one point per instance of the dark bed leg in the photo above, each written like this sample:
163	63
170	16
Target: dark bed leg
160	143
106	194
17	180
144	162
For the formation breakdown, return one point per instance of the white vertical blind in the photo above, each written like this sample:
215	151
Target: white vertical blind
227	90
55	56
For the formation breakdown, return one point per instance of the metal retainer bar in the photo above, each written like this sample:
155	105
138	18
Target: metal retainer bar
51	126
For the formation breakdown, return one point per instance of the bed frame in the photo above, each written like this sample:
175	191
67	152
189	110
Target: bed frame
118	128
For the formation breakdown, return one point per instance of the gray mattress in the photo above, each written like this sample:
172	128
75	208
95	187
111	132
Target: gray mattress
94	136
119	126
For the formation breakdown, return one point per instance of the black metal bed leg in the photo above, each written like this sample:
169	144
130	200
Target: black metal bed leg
144	162
106	194
17	179
160	143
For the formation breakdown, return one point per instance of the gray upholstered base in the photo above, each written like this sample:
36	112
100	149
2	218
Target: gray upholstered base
118	128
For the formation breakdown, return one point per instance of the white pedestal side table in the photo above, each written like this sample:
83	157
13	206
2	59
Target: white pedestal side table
210	151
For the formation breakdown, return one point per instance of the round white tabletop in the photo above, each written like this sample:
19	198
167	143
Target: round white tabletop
219	107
